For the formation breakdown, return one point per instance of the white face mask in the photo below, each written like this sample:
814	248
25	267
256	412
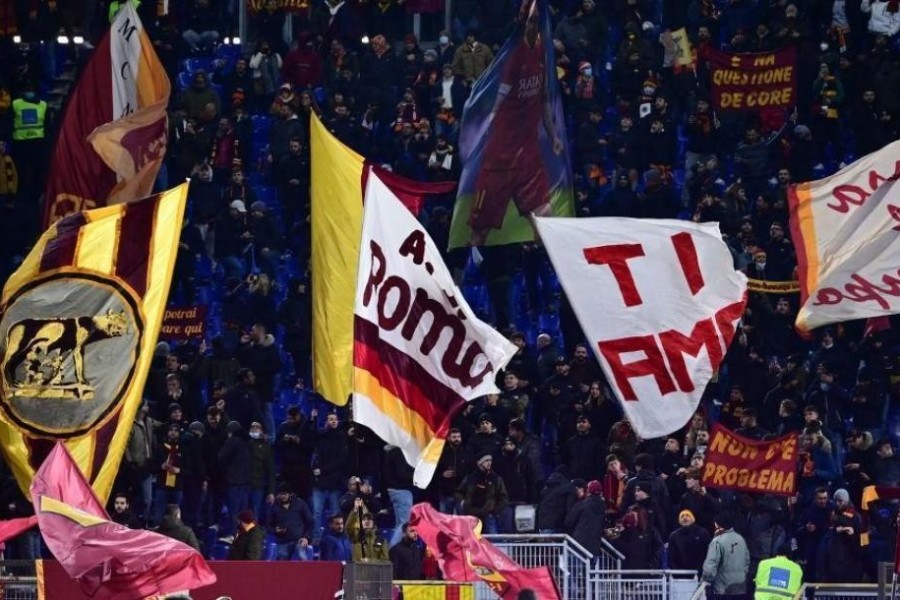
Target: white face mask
760	266
587	72
443	40
255	434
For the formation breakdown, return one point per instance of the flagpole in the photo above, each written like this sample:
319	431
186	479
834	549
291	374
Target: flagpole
894	587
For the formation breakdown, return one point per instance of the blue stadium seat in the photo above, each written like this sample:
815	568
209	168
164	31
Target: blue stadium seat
192	65
184	80
219	551
231	51
271	550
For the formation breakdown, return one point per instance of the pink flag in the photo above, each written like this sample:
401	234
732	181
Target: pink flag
13	527
110	561
464	555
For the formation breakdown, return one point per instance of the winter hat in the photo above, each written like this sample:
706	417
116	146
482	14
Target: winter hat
652	175
802	131
431	53
238	205
594	488
174	406
234	427
284	488
841	496
687	513
629	521
258	205
579	483
584	65
197	426
162	349
484	459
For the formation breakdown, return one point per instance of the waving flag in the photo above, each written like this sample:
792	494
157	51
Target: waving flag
13	527
464	555
419	352
338	182
513	141
79	323
844	229
110	561
112	139
658	350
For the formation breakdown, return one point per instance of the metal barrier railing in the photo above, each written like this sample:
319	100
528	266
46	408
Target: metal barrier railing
569	562
18	580
839	591
643	585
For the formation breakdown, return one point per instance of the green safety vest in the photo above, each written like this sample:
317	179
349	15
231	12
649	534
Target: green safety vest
115	5
28	122
778	578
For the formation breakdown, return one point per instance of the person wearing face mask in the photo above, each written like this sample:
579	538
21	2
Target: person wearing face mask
446	49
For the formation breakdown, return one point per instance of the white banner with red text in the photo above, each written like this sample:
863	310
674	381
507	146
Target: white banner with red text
659	301
846	230
419	352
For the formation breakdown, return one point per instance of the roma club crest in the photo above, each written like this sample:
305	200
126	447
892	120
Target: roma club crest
69	345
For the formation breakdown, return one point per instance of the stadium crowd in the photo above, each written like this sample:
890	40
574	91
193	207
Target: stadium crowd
232	442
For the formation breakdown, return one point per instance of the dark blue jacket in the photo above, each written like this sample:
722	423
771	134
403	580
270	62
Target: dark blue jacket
334	546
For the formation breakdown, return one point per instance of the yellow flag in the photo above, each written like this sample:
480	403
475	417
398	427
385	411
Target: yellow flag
682	46
79	323
336	230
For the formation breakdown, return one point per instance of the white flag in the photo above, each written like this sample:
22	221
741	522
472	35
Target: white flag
419	353
846	230
659	301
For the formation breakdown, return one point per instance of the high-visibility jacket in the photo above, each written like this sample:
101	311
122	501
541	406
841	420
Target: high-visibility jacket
28	119
778	578
116	5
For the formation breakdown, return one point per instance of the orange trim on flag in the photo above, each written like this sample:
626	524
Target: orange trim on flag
392	407
39	576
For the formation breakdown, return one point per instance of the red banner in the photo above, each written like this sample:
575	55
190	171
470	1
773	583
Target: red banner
239	580
184	322
734	462
753	81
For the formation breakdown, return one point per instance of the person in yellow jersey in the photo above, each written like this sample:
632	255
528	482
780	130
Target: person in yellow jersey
778	578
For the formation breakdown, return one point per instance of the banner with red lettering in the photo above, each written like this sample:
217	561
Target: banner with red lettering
845	230
753	82
419	352
181	323
658	300
734	462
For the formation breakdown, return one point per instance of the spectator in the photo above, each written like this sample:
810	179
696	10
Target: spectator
841	554
250	539
169	481
471	59
292	523
200	101
236	457
262	470
637	542
688	544
727	560
366	542
172	526
331	452
558	496
398	481
453	466
408	556
258	353
483	494
121	512
335	545
294	443
587	518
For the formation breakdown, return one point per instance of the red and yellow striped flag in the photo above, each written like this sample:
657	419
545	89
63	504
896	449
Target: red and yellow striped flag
79	323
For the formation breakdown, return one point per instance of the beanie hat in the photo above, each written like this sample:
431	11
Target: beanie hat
594	488
234	427
484	459
246	516
284	488
841	496
688	514
584	65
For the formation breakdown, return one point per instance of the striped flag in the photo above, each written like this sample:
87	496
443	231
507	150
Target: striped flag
79	322
112	140
419	352
339	178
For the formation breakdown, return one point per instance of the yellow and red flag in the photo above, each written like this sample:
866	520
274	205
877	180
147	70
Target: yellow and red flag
112	139
339	176
79	322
